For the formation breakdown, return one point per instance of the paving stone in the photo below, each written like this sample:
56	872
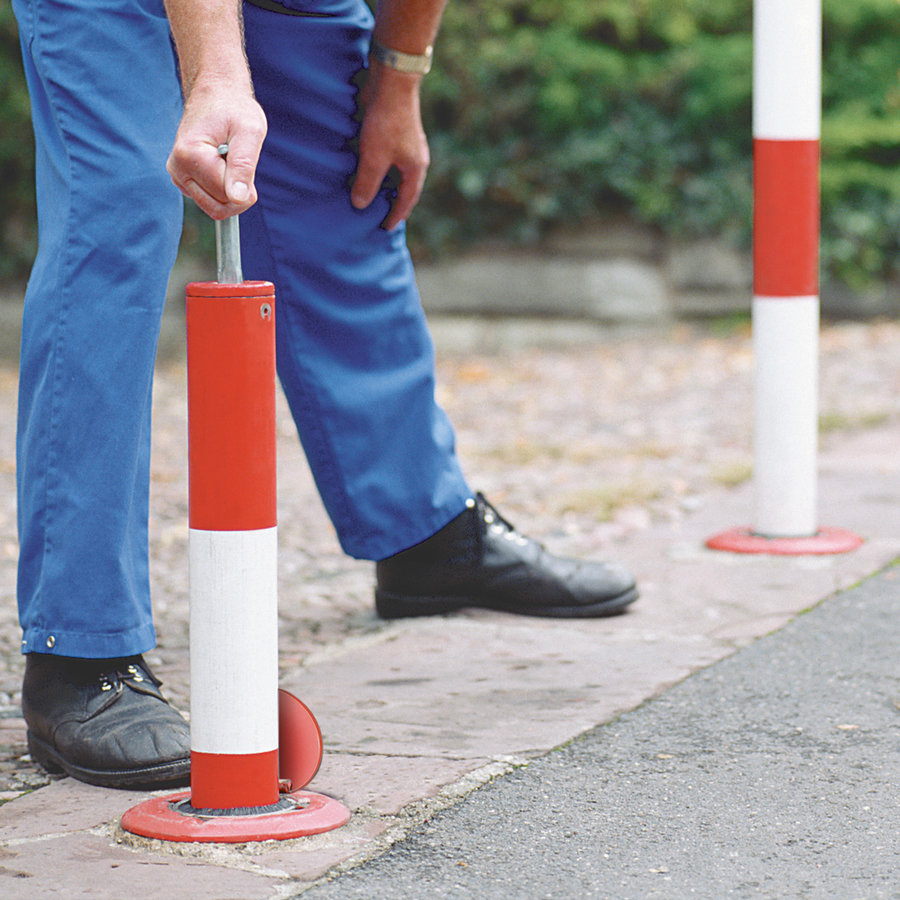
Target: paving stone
488	685
307	859
88	865
64	806
386	784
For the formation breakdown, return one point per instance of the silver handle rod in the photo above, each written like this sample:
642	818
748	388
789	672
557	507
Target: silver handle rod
228	245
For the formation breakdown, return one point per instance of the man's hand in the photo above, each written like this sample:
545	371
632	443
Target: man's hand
392	138
213	116
219	108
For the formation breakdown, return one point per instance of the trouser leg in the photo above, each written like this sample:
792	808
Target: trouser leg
105	103
354	354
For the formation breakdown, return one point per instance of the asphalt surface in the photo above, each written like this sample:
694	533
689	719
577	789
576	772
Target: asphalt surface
773	773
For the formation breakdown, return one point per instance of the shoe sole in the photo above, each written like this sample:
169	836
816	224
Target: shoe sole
397	606
162	775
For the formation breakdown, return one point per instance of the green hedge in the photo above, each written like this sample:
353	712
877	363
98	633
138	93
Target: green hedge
18	232
549	112
544	113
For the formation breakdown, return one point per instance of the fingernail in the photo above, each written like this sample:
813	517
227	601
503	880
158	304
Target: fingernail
240	191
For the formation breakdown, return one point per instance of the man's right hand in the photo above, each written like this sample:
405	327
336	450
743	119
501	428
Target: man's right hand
215	115
219	108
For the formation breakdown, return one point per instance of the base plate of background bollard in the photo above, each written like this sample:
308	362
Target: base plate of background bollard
824	541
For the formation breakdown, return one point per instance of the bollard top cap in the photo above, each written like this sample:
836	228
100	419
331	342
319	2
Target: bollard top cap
244	289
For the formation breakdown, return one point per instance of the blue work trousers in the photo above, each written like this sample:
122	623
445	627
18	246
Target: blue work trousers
354	355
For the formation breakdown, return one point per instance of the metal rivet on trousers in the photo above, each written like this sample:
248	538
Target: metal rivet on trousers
51	641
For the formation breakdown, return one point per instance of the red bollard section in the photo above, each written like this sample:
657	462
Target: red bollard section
240	790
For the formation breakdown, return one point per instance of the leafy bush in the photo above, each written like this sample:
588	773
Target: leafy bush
861	141
544	113
18	231
553	111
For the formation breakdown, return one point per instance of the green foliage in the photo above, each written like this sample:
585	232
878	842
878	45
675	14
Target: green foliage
544	113
861	141
18	229
553	112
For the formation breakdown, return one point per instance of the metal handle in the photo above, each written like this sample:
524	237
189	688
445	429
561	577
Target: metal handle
228	244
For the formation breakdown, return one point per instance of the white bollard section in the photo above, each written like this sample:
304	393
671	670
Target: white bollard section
234	630
786	416
787	69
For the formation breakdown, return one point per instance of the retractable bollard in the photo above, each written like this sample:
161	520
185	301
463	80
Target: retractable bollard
253	747
787	38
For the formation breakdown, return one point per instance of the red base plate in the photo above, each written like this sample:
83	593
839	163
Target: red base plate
825	540
160	818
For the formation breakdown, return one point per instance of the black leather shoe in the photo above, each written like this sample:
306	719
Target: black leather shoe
103	721
479	559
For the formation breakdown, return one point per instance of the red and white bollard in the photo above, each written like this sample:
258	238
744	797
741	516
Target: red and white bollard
787	37
238	716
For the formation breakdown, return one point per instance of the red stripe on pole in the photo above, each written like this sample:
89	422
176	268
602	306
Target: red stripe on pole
231	406
785	218
231	780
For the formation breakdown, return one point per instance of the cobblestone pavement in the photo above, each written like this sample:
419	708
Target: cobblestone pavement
582	435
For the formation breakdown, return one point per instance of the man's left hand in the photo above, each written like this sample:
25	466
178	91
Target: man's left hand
392	137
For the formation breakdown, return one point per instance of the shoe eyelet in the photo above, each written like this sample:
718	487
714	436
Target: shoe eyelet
135	674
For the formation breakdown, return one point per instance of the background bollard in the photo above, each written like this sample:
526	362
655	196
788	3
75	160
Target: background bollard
787	37
238	715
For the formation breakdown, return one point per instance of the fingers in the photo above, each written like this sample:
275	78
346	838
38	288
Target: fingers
240	167
370	175
220	187
199	173
408	194
381	160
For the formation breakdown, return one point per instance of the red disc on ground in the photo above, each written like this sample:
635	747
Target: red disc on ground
162	818
825	540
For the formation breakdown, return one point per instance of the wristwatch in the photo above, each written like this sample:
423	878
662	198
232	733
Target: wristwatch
411	63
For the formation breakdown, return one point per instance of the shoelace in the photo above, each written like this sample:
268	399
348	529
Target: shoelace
499	526
112	679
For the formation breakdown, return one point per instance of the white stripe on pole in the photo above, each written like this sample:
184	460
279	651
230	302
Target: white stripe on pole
785	337
787	65
233	638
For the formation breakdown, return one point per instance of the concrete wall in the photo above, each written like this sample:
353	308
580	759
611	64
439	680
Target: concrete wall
615	274
624	274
